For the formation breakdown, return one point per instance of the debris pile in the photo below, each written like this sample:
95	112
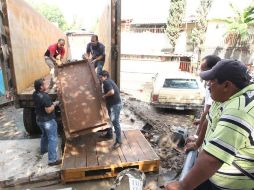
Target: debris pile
159	130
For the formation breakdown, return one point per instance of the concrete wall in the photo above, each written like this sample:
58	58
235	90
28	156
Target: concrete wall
217	44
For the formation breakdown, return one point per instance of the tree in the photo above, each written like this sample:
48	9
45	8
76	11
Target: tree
51	12
198	33
174	21
238	26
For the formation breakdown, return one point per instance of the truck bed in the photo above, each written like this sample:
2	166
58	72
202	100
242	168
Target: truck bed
25	98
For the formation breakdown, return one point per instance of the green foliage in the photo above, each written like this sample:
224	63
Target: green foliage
198	33
174	22
51	12
240	23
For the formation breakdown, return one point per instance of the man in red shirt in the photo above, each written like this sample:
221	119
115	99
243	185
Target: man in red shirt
54	53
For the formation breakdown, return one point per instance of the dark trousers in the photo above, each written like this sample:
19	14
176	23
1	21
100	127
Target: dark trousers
207	185
114	114
99	65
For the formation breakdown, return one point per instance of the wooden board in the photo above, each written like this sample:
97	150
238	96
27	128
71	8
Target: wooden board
82	107
91	157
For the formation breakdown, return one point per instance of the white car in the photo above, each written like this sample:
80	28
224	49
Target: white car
178	90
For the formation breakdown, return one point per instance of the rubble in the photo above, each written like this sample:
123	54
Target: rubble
159	129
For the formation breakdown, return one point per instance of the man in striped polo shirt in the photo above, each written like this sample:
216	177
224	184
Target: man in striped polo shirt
227	158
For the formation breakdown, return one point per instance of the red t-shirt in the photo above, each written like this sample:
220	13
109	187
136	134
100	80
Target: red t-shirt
55	51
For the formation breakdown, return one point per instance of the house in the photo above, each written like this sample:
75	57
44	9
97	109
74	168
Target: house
149	29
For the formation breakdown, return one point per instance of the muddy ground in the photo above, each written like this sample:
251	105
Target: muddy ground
159	129
157	125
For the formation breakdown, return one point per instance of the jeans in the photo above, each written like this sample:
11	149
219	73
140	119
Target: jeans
49	139
52	69
99	65
114	113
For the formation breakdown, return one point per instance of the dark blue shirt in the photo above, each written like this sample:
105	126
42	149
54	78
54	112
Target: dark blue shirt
96	51
107	86
42	100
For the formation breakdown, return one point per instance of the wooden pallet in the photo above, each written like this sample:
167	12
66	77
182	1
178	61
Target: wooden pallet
91	157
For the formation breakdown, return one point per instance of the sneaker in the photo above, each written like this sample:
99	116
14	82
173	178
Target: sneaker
116	145
58	162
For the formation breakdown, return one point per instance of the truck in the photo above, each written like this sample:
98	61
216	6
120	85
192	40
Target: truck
25	36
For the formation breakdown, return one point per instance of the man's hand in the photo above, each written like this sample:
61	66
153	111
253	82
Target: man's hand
190	146
191	139
196	122
104	97
85	58
176	185
56	103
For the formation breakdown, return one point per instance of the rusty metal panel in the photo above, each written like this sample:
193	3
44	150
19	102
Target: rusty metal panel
103	31
109	32
29	35
83	109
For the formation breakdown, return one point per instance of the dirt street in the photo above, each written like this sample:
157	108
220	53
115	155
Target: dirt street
11	123
158	124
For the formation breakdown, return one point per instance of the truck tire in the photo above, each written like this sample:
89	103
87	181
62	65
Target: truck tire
29	120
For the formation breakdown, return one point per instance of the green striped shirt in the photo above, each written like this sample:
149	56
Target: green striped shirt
230	137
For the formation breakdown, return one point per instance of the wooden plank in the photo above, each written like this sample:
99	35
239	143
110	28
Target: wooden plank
120	154
105	154
103	162
132	140
127	151
80	160
69	156
143	143
91	158
145	166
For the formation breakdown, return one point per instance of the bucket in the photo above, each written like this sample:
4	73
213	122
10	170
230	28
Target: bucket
2	87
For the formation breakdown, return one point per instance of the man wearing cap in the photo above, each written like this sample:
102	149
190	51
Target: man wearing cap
227	158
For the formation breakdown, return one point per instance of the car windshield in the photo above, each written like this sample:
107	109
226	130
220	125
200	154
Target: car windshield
180	83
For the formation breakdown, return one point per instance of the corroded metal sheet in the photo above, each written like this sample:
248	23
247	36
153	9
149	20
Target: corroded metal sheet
28	34
109	32
83	109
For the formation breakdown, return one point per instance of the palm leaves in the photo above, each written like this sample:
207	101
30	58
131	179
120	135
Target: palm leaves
238	26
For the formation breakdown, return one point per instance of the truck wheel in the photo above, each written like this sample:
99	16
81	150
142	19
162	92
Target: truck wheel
29	120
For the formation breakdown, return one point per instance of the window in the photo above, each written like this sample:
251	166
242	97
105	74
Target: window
180	83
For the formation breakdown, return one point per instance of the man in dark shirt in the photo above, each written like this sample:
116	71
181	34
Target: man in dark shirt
45	119
111	95
97	50
52	56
